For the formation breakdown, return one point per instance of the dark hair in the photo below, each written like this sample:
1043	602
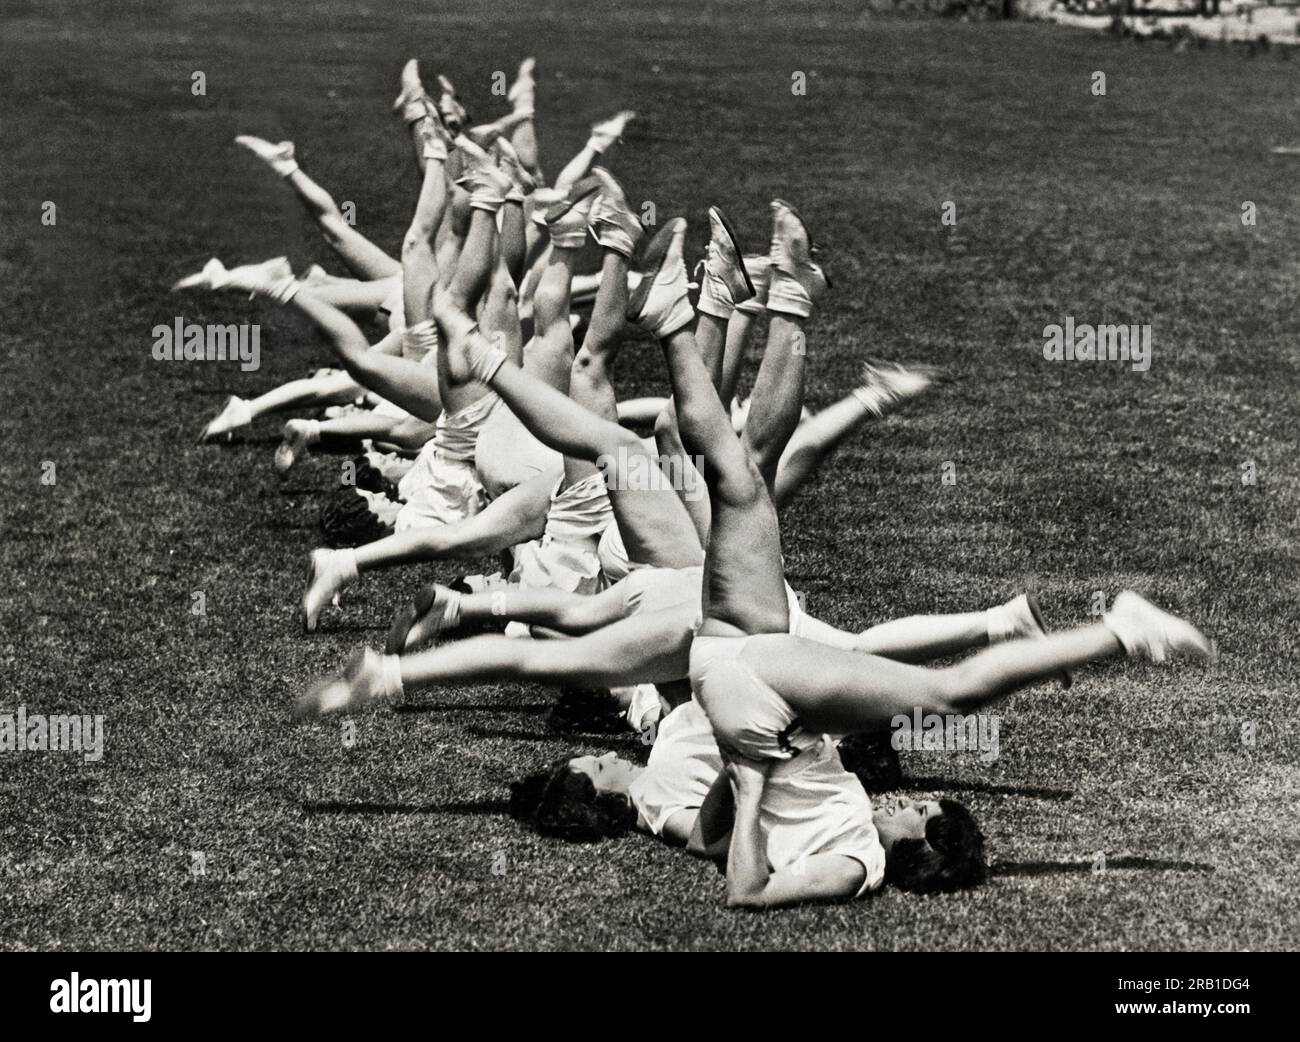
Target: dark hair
873	758
559	801
587	710
347	520
951	857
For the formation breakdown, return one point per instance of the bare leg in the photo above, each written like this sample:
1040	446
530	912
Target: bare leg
361	255
744	584
550	354
839	692
777	401
512	244
643	649
651	518
917	638
460	297
355	294
419	264
406	383
739	326
330	389
554	609
510	519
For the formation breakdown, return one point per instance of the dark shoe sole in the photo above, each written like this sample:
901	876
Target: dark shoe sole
735	245
406	618
588	186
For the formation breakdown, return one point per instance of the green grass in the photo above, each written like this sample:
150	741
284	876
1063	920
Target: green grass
1072	477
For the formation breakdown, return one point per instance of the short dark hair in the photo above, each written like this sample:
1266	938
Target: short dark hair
561	802
587	710
951	857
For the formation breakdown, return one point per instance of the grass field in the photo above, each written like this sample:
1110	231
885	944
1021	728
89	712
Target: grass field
1073	477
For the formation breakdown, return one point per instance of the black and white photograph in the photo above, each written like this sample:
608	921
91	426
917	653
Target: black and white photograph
651	475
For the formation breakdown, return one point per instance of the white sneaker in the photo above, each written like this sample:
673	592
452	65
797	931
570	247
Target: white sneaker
613	224
272	279
795	281
566	216
410	101
726	281
1147	632
365	679
299	436
509	164
660	304
886	385
210	277
523	90
449	107
327	574
434	609
610	131
234	415
278	157
487	184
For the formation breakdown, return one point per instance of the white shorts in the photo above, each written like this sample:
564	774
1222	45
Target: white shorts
648	590
613	555
507	454
436	491
443	486
747	714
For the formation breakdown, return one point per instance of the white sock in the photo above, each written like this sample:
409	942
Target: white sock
346	558
486	361
1001	625
451	613
390	676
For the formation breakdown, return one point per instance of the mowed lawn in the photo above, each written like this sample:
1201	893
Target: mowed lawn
1071	477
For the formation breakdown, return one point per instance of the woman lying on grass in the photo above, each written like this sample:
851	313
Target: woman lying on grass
684	797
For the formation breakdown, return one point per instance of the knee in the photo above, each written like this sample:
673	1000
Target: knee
588	364
942	694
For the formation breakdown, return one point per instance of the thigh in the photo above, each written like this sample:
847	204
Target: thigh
365	259
644	649
507	454
839	692
655	526
515	517
744	577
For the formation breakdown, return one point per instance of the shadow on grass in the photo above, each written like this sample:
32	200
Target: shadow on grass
1035	792
284	526
471	808
475	707
1080	868
352	627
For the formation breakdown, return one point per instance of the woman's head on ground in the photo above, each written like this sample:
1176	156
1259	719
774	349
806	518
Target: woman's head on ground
931	845
580	798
